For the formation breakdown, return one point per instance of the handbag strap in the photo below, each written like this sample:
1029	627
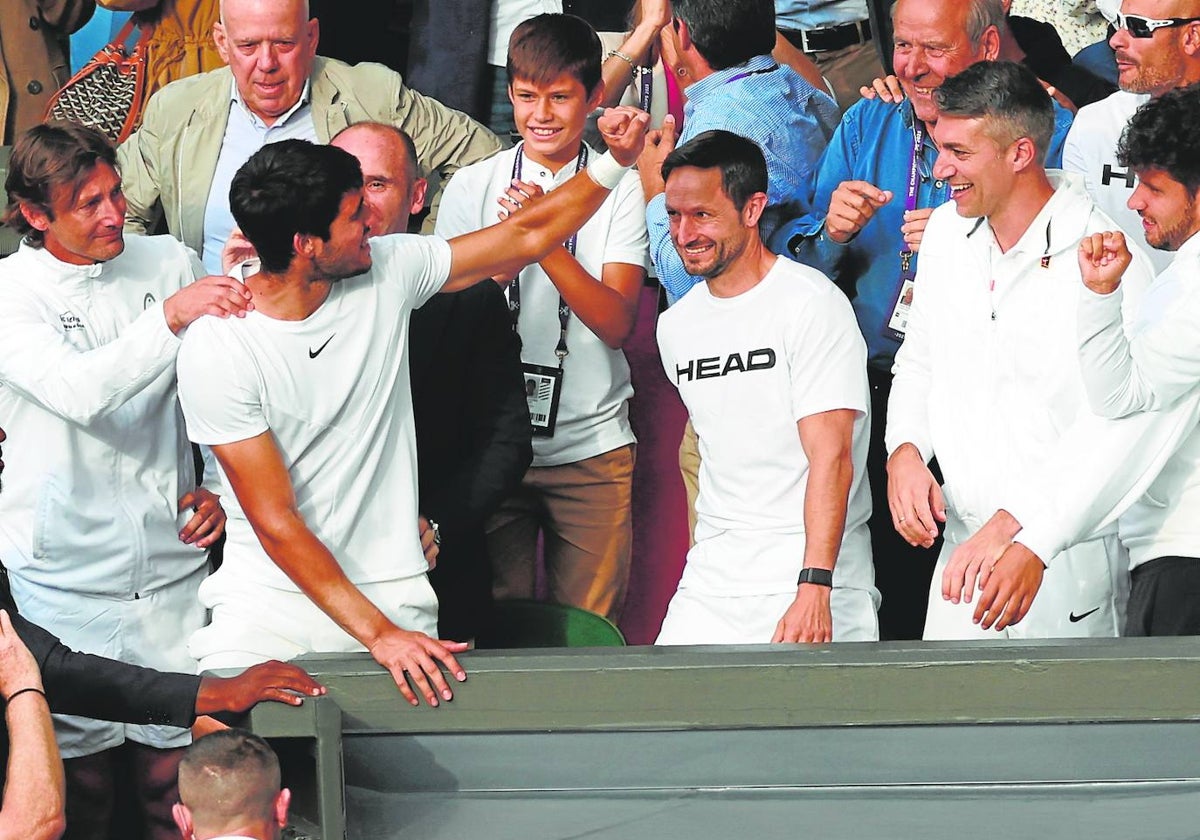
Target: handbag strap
121	39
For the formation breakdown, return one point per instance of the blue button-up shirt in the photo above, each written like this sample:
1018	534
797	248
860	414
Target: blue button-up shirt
772	105
245	134
874	144
818	14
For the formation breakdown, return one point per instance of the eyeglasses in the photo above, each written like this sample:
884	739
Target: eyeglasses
1143	27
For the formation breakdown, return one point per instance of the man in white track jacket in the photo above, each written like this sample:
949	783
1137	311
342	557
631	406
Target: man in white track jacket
1147	383
102	526
987	378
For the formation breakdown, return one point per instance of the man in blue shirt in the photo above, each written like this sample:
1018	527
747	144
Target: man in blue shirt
720	50
874	191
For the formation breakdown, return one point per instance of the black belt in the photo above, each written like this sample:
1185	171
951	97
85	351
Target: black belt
830	38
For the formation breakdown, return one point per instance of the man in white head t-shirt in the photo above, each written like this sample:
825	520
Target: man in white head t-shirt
772	367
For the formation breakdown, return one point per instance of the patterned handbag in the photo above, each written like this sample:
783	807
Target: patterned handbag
107	93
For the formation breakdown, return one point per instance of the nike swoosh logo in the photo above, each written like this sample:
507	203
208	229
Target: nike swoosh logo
312	354
1075	618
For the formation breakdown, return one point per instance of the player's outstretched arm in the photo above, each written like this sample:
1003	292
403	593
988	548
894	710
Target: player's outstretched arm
259	478
530	235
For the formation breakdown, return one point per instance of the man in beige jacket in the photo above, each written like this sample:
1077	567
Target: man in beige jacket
196	132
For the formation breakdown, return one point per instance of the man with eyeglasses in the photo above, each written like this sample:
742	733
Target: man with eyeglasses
1157	46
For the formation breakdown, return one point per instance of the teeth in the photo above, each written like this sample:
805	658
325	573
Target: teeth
923	91
957	188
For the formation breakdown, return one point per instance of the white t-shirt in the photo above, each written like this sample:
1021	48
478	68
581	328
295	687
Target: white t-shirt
334	390
1091	150
506	16
593	413
749	368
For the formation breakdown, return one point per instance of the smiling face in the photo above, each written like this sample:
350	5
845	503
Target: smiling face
269	45
1159	63
551	117
346	252
1168	210
707	229
974	164
931	43
392	191
85	219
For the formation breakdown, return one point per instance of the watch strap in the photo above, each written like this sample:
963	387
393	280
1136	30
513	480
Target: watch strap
820	577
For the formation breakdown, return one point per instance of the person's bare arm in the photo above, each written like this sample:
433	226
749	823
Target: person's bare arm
616	71
528	236
827	440
608	306
34	791
259	478
785	52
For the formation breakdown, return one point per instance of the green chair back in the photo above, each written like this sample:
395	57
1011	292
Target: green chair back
537	624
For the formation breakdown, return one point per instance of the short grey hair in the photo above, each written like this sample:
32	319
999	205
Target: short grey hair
980	15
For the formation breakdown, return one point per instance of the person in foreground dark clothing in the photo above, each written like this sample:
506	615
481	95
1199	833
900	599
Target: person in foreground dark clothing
97	687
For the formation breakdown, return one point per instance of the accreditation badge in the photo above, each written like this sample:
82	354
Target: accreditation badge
543	387
897	325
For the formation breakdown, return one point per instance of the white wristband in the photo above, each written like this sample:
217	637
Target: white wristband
606	172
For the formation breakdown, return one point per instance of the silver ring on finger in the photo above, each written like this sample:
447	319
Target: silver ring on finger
902	518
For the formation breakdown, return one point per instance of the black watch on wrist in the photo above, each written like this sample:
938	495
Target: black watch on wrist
821	577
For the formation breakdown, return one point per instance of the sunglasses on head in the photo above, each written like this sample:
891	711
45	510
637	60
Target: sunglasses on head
1143	27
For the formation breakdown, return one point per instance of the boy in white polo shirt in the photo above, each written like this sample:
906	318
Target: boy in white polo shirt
573	311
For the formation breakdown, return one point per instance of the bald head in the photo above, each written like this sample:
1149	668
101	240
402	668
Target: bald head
229	784
302	3
1169	58
392	188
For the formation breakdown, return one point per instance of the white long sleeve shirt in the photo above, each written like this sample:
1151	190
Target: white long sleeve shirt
97	458
988	378
1090	150
1156	367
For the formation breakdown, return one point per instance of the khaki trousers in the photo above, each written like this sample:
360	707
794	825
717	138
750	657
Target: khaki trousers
689	468
583	510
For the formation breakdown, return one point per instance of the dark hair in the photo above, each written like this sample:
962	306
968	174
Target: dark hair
1159	136
287	188
550	45
227	775
743	167
728	32
1008	95
44	158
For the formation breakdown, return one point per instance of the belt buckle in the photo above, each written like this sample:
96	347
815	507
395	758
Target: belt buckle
859	27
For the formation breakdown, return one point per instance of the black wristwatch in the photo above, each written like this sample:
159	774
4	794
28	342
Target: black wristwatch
821	577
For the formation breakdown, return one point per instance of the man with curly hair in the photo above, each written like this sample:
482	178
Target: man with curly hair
1159	365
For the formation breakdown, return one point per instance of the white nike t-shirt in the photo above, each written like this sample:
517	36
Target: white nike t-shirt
334	391
749	368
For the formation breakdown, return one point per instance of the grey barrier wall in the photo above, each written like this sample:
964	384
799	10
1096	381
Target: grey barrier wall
1054	739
